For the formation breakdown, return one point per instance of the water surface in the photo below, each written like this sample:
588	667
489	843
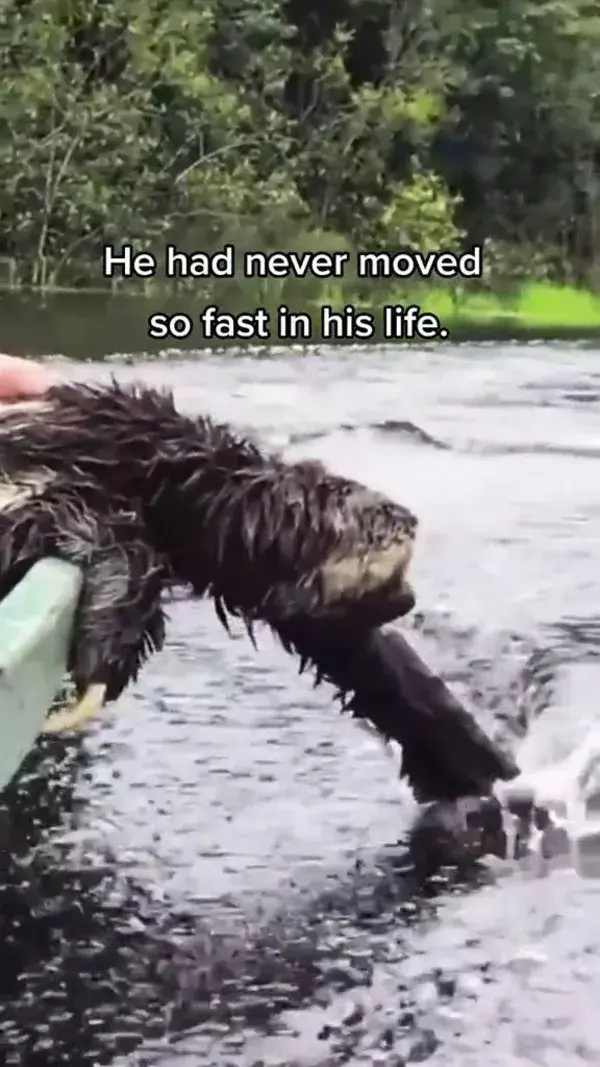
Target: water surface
182	887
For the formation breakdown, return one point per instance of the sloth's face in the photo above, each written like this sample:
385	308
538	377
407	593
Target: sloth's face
370	584
356	551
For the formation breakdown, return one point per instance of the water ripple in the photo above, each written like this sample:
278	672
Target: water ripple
217	873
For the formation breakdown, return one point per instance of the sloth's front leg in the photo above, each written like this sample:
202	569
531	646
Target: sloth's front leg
120	621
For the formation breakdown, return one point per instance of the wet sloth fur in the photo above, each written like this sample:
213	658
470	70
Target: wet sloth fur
116	480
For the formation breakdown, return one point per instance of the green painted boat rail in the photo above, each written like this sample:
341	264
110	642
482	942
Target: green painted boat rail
36	624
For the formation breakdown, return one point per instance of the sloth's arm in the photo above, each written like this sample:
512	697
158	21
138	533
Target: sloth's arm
380	678
120	620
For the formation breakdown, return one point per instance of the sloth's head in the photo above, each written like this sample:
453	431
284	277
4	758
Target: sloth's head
275	541
317	545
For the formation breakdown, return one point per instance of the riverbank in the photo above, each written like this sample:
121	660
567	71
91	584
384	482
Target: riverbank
538	311
100	324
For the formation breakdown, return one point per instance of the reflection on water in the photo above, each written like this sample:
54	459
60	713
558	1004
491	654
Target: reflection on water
93	961
216	874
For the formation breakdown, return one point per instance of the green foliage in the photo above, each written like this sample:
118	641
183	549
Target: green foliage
256	121
420	215
527	117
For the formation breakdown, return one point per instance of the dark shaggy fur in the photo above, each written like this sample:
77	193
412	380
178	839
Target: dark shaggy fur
264	538
120	619
142	496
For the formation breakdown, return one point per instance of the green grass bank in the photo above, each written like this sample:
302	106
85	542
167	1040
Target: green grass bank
538	310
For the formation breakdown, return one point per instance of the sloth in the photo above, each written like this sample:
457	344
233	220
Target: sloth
142	498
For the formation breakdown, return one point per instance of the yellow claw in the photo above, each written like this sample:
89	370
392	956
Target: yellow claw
70	718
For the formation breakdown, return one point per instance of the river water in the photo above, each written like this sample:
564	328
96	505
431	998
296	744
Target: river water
211	876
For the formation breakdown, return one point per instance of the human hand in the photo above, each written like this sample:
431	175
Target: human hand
22	379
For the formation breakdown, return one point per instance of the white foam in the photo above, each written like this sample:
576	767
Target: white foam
560	761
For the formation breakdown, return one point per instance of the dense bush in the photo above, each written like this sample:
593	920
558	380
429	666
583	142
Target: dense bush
418	123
